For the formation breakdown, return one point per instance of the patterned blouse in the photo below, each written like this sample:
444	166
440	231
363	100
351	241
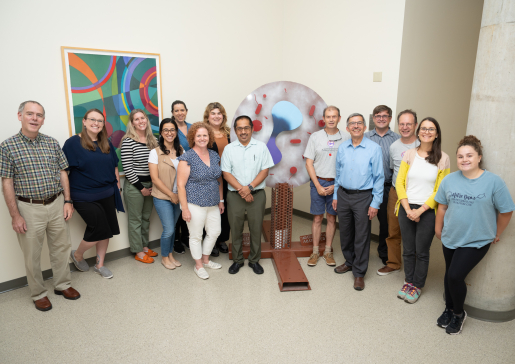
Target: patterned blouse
202	186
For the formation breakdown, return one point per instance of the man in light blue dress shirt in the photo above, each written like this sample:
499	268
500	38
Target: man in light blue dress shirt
358	193
245	165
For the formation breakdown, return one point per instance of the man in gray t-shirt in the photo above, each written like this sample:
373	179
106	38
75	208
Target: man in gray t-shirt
407	122
320	157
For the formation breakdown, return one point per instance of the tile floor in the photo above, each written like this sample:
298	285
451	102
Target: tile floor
147	314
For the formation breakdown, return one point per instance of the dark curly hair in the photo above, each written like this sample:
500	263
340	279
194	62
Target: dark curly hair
176	143
193	130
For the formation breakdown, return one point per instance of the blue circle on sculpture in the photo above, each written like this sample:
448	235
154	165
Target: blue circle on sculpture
286	117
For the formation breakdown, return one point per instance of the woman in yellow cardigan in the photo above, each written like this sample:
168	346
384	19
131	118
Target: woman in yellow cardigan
421	171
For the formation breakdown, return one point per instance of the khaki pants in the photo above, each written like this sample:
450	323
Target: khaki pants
139	209
49	220
236	207
394	233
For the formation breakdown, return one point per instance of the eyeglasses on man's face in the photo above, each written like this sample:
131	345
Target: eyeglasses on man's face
384	117
355	123
242	128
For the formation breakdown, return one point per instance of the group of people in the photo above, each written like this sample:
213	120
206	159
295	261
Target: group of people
202	185
405	181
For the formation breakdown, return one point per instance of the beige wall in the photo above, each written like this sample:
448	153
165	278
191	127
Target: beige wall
439	45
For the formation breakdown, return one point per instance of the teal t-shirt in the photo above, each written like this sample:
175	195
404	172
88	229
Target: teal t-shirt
471	217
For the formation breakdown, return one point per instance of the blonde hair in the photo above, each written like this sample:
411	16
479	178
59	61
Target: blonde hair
131	132
216	105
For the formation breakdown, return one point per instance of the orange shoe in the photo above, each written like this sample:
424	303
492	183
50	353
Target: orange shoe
151	253
145	259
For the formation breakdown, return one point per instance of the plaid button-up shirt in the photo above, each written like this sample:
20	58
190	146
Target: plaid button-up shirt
34	166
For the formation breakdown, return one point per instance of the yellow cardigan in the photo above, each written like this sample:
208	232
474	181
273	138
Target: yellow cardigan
401	185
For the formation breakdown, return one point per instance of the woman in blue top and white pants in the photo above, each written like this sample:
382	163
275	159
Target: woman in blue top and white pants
94	188
199	182
467	223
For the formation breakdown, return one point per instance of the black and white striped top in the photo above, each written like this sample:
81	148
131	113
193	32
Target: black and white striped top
135	162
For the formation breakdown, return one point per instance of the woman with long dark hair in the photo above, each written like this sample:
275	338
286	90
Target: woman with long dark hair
163	163
421	172
137	143
94	188
475	207
216	117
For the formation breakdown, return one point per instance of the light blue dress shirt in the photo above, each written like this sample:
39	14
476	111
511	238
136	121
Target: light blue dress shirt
360	168
245	162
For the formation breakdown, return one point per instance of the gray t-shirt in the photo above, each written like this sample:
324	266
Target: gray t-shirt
397	150
322	149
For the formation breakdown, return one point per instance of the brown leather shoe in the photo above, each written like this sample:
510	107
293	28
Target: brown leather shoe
69	293
359	284
43	304
342	269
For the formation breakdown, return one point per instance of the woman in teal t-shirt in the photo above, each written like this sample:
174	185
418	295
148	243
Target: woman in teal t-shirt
467	223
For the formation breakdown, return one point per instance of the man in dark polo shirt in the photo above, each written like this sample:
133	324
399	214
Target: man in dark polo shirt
37	194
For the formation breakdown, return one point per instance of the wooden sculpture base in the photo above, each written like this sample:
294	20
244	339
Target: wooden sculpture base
289	272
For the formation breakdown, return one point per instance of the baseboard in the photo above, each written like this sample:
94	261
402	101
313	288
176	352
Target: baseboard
122	253
47	274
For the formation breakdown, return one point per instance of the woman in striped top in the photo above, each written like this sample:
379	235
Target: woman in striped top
137	143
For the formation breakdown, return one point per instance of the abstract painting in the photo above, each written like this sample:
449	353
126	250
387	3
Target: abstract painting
114	82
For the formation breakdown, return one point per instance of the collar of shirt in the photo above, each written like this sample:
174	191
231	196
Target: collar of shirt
252	142
26	139
374	132
361	144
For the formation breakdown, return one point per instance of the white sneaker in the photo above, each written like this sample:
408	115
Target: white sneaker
212	265
201	273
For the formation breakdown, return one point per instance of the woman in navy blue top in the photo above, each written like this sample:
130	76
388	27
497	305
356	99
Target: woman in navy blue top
94	188
199	182
179	113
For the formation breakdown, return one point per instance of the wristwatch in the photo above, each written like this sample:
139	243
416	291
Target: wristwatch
68	201
250	187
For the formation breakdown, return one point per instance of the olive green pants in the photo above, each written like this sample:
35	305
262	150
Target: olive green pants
138	208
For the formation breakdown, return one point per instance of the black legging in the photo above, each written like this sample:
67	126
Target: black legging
459	263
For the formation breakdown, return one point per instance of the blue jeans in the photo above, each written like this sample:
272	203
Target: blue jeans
168	214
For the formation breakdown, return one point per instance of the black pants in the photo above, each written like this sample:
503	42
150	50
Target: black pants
182	233
382	216
354	226
226	228
458	264
416	241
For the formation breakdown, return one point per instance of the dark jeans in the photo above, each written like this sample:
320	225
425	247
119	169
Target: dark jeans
416	241
354	226
458	264
382	216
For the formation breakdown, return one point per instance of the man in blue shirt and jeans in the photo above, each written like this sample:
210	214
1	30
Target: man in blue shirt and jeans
358	193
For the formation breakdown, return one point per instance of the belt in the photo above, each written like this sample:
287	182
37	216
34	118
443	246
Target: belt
326	179
352	192
40	202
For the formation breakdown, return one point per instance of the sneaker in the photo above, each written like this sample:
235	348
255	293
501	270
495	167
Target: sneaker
212	265
445	319
386	270
413	294
313	259
404	290
201	273
103	271
329	260
456	325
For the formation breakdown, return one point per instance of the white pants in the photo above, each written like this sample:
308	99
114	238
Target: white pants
203	217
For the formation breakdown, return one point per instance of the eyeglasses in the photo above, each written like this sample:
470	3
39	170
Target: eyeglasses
169	131
427	130
382	116
409	125
246	128
95	120
355	123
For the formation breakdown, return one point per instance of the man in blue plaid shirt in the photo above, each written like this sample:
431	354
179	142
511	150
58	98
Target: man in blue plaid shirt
37	194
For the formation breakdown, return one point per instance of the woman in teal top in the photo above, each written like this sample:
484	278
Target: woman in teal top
467	223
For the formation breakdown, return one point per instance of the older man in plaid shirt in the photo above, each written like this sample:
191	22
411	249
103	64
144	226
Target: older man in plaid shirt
37	194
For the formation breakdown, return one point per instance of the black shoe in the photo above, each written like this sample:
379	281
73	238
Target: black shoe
456	325
445	319
178	247
223	247
235	268
215	252
257	268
